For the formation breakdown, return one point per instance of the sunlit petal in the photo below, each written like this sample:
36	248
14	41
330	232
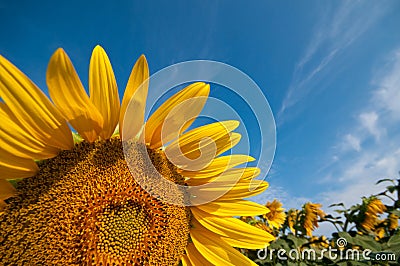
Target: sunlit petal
137	80
32	108
233	208
12	166
156	120
18	141
104	91
215	250
245	235
68	94
218	165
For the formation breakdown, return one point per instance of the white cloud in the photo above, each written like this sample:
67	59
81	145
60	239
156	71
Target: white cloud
387	96
369	120
336	31
351	141
356	173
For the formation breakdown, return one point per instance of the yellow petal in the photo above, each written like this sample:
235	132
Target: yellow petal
185	261
6	189
194	257
12	166
195	150
226	191
231	176
246	190
32	108
209	148
215	130
218	166
68	94
104	91
138	79
216	250
244	235
233	208
155	123
17	141
240	243
179	118
134	114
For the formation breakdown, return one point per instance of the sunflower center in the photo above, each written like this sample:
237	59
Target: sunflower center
122	228
85	207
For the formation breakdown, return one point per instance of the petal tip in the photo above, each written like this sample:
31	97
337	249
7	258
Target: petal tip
98	49
59	50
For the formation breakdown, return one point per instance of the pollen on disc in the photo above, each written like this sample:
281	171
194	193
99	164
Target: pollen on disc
84	207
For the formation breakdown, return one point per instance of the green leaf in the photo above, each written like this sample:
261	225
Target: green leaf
394	241
355	207
396	212
367	242
339	211
346	236
76	137
14	182
298	241
391	189
302	264
336	205
384	180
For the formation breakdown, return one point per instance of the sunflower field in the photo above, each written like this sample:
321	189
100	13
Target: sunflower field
365	234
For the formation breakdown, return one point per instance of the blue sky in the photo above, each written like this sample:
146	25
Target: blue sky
329	69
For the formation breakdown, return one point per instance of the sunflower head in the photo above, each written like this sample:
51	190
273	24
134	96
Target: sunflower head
140	196
276	216
370	210
292	217
311	214
379	230
393	221
375	206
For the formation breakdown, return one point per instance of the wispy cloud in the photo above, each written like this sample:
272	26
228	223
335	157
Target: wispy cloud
369	120
387	96
336	30
375	134
351	141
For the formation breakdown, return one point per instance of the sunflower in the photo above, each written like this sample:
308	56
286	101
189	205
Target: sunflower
393	221
379	230
79	203
276	217
372	208
292	219
263	226
312	211
319	242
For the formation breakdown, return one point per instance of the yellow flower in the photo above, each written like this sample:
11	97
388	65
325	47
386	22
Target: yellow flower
374	207
264	227
292	219
312	212
393	221
319	242
247	219
369	222
379	233
324	242
82	204
276	215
